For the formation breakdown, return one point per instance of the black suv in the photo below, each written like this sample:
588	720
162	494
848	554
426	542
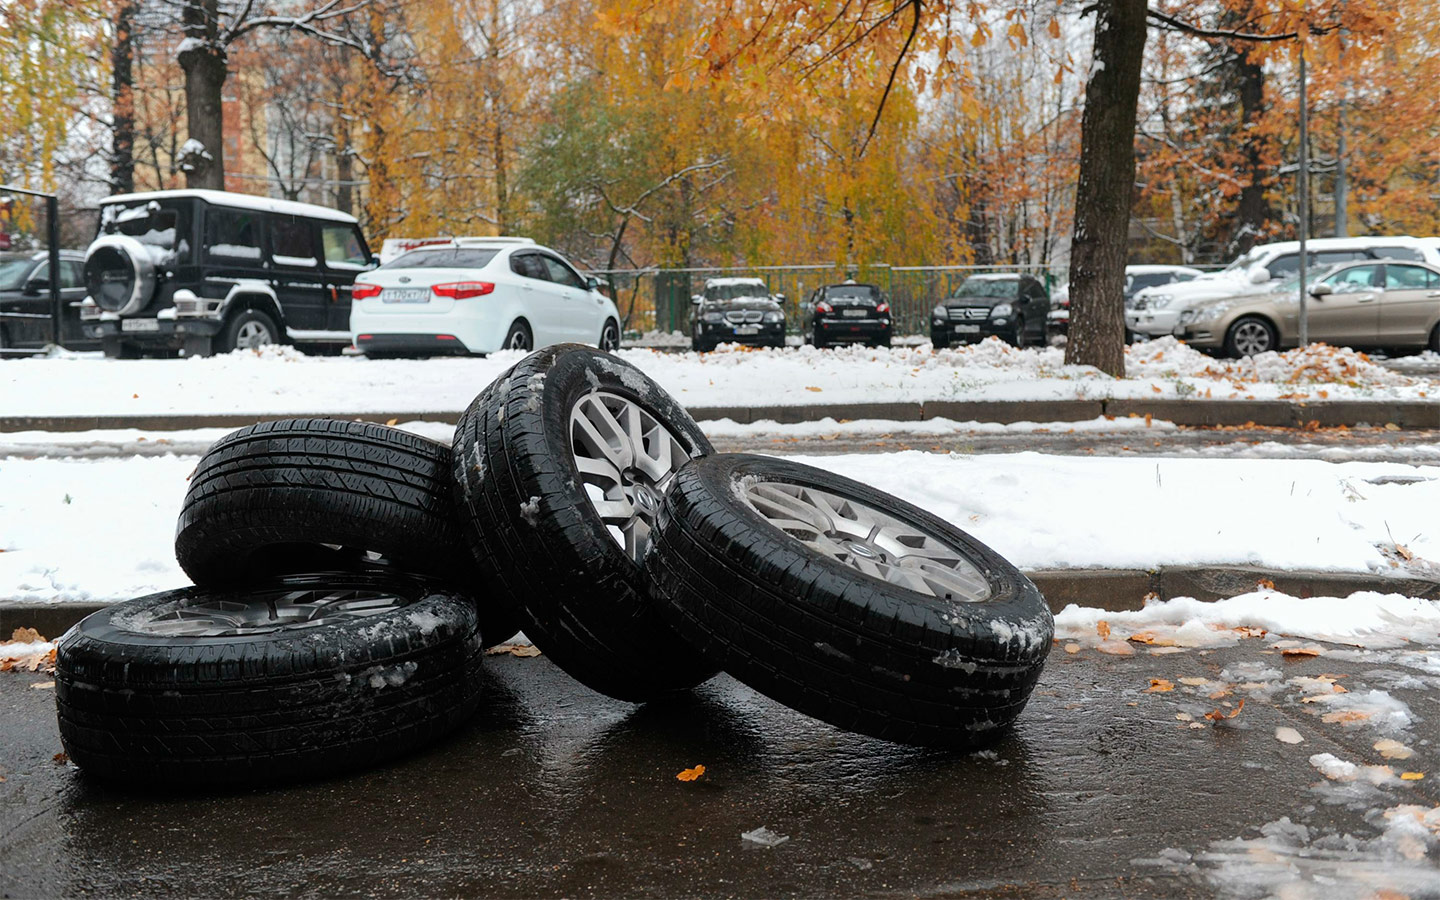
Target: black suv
736	309
25	311
849	312
212	271
1009	306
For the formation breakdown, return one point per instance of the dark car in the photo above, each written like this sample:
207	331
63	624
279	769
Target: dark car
739	310
847	313
1009	306
26	323
208	271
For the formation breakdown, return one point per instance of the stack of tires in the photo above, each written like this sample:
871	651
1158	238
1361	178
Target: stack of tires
348	577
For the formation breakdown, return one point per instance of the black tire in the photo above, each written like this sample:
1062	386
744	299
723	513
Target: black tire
247	329
939	342
578	594
139	705
1433	345
610	336
814	633
281	497
1022	340
519	337
819	341
1249	336
114	348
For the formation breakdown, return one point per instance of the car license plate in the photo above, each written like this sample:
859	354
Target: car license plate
967	329
747	329
139	324
855	313
405	295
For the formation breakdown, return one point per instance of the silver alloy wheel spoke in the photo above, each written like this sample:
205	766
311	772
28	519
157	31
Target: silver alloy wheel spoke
253	334
626	459
266	612
868	540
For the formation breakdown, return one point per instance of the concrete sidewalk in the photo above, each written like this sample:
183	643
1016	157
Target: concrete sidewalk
1407	414
1109	589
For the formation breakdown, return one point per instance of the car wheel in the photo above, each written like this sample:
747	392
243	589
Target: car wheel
1434	343
1022	340
248	329
1249	336
610	336
302	676
939	342
560	466
519	337
845	603
305	494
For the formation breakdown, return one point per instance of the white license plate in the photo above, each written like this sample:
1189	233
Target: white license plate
139	324
747	329
967	329
405	295
855	313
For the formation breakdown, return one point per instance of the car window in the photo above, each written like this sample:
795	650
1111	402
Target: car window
12	273
1284	266
232	234
988	287
1331	257
529	265
72	273
292	241
1353	279
1407	278
561	273
164	230
855	291
449	258
1145	280
1396	253
40	275
343	247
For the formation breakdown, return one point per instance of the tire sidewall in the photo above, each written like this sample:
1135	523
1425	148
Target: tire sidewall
232	330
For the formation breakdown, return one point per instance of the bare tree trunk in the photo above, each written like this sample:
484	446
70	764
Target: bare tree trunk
203	61
1342	178
1253	209
1104	192
122	90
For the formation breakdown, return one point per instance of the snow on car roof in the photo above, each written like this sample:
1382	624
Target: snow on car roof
995	276
240	201
1159	269
727	282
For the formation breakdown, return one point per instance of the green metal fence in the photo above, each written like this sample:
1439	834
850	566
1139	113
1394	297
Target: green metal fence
659	299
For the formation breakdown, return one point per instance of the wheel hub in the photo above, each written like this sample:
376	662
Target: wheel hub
266	612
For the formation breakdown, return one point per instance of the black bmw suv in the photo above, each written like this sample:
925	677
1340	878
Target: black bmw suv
847	313
1009	306
208	271
736	309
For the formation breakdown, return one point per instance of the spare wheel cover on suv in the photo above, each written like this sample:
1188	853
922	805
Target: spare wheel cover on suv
119	274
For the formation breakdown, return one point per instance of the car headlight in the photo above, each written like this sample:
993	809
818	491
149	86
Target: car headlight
1001	309
1159	301
774	316
939	311
712	317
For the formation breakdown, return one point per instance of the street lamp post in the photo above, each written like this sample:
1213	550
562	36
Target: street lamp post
1303	186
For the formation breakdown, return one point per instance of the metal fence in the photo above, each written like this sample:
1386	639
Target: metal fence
659	299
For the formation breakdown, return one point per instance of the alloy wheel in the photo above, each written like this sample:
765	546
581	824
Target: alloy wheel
253	334
1250	338
266	612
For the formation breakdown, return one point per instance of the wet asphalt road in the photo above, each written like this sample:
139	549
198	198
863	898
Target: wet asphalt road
554	791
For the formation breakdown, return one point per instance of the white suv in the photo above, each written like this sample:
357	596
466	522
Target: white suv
478	295
1156	311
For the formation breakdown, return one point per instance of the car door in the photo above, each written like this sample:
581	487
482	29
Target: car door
299	286
346	255
539	298
579	311
1351	315
72	293
1409	306
234	249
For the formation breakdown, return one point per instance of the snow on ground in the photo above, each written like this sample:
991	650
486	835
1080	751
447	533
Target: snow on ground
102	529
281	380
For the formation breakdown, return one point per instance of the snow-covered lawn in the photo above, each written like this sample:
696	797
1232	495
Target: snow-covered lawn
102	529
281	380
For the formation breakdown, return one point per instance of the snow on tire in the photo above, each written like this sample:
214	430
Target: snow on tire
845	603
299	676
561	464
305	494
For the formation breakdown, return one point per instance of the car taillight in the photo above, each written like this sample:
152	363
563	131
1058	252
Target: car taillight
824	306
362	291
462	290
883	308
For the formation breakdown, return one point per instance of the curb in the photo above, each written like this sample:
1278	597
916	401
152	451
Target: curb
1113	590
1408	414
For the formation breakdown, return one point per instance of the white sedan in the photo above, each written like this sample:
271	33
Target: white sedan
478	295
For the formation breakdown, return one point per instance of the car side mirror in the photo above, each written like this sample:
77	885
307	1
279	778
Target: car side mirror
1259	275
1321	291
696	299
592	283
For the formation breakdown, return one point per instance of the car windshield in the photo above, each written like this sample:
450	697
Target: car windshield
1315	275
854	292
446	258
1243	262
736	290
988	287
12	274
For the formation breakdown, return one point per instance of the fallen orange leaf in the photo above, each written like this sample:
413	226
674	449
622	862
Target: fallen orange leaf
1102	628
1159	686
1216	715
811	387
1344	716
691	774
1411	776
1312	650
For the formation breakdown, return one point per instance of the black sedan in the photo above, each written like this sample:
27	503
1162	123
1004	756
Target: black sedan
1009	306
739	310
25	301
847	313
